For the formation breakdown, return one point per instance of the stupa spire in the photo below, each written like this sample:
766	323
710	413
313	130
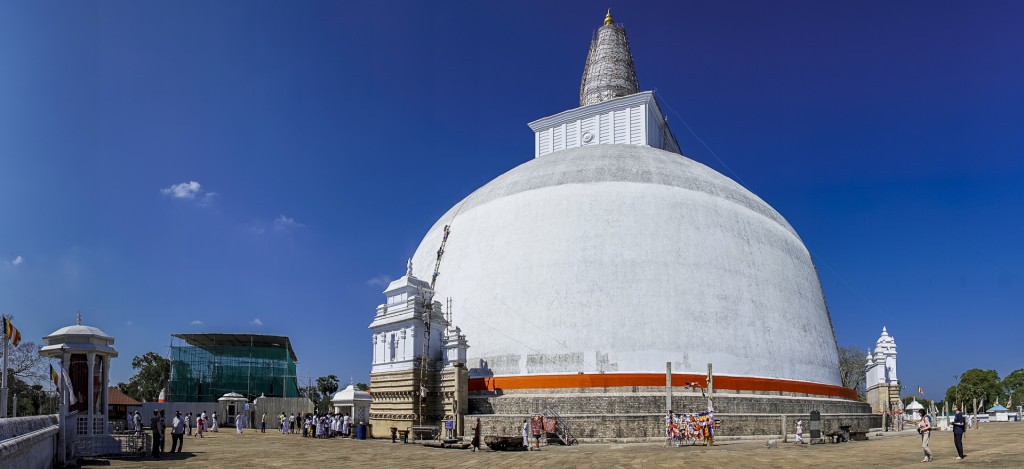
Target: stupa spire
609	72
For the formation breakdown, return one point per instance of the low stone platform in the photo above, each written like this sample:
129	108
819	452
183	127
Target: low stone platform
637	414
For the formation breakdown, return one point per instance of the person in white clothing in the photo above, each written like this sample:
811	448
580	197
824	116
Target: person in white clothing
800	431
213	422
526	434
238	424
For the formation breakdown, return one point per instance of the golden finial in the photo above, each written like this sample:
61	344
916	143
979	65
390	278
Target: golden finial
608	18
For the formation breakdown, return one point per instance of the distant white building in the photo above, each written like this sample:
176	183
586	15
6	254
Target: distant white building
883	387
913	411
353	402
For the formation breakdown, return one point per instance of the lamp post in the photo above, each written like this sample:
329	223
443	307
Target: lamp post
957	379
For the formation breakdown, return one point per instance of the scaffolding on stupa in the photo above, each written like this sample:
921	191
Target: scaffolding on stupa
204	367
609	72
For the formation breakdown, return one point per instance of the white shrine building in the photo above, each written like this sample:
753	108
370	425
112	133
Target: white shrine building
408	390
883	387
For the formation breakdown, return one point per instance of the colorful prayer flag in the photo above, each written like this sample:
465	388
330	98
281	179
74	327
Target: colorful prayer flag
11	332
919	391
54	377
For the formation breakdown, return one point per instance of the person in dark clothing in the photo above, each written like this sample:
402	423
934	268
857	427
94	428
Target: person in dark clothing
959	427
476	436
163	433
154	425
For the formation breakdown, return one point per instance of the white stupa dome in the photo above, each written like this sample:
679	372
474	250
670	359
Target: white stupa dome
620	258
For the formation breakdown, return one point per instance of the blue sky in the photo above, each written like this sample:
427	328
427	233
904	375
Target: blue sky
326	137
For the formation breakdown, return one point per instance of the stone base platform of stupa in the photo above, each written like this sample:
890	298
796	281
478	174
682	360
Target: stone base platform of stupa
638	413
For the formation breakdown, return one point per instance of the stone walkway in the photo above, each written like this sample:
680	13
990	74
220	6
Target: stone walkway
993	445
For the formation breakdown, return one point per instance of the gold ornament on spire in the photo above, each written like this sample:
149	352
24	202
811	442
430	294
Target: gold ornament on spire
608	18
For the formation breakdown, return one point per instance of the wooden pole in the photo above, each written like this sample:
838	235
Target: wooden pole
668	386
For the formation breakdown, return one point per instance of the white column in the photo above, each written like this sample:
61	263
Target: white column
106	392
90	405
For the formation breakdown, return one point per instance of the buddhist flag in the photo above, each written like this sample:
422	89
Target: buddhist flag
11	332
54	376
71	389
919	391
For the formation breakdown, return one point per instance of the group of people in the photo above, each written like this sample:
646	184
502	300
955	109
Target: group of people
925	427
314	425
181	425
694	428
326	425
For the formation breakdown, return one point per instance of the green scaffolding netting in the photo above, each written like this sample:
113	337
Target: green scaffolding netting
205	373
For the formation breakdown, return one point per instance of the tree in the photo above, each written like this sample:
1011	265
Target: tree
362	386
151	375
327	386
976	384
1013	386
851	368
26	362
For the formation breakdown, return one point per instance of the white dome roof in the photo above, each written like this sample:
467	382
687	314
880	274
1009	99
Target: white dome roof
914	406
350	394
78	329
619	258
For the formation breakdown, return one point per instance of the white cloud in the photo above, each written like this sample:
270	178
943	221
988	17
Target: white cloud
191	190
185	190
16	261
254	229
379	281
283	224
196	323
256	322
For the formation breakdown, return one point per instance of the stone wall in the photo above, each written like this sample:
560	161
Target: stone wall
28	441
640	428
638	414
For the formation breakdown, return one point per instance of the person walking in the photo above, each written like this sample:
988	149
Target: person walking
959	427
163	432
263	423
177	432
800	431
154	426
238	424
200	426
526	434
476	436
213	423
137	420
924	427
188	423
536	427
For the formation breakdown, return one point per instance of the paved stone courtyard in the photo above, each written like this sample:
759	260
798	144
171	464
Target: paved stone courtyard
992	445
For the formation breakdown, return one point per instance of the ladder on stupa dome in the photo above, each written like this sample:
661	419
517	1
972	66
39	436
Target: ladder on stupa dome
562	428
